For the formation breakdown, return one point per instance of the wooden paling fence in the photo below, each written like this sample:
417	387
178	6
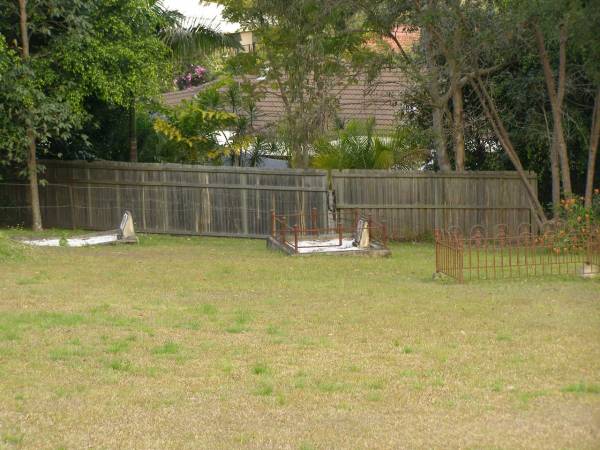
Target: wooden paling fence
414	204
231	201
169	198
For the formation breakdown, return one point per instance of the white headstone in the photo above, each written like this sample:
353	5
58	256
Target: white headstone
361	235
126	227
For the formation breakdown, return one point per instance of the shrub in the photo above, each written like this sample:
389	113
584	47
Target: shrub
195	76
357	146
577	222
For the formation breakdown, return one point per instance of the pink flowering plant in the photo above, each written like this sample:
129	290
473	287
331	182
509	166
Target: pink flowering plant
194	76
578	223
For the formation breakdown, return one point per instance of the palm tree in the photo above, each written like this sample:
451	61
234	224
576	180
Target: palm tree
357	146
186	39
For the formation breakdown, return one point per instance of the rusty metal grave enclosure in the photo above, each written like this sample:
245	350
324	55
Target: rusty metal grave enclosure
556	250
297	234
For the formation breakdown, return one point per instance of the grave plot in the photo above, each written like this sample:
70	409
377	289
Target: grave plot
557	249
125	234
363	237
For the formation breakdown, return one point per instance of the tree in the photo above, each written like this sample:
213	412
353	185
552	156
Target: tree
436	65
71	50
563	35
552	16
357	146
186	40
37	102
587	23
124	57
306	52
196	126
487	49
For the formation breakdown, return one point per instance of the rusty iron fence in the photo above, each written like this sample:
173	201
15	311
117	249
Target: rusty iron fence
293	231
555	250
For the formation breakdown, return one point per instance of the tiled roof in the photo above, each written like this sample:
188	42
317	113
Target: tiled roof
359	100
175	98
405	36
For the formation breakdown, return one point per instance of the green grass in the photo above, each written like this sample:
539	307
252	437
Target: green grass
260	369
264	388
120	365
219	343
10	251
168	348
582	388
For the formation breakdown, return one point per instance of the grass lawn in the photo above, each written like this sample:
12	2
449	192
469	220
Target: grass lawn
219	343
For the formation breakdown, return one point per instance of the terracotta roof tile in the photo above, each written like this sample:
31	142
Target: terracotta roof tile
359	100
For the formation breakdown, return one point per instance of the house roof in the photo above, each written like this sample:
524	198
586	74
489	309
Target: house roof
173	99
362	99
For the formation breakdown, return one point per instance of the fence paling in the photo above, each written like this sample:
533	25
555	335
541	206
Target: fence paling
416	203
175	199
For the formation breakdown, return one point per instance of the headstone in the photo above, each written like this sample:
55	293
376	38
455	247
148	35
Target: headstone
126	227
361	234
589	270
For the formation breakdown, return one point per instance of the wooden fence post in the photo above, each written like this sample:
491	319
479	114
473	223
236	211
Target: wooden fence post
72	206
273	223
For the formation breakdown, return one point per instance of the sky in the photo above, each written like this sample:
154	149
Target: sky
206	12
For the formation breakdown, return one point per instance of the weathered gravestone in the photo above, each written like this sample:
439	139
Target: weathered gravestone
361	234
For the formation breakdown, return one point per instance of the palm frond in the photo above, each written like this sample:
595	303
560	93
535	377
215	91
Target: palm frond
359	147
197	38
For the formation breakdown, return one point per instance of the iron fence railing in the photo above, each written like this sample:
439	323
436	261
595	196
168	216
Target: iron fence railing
555	250
293	231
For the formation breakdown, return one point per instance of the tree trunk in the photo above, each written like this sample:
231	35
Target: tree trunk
555	170
458	119
593	152
439	138
433	89
554	167
133	150
492	115
556	95
36	215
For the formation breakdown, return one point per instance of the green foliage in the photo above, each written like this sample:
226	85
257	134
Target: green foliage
122	54
195	126
195	129
577	224
195	40
358	147
107	50
32	97
306	48
579	218
217	125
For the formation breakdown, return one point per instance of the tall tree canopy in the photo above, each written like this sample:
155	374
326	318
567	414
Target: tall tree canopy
306	48
528	67
69	51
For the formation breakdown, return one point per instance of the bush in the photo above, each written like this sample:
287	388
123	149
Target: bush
357	146
194	76
577	222
577	217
